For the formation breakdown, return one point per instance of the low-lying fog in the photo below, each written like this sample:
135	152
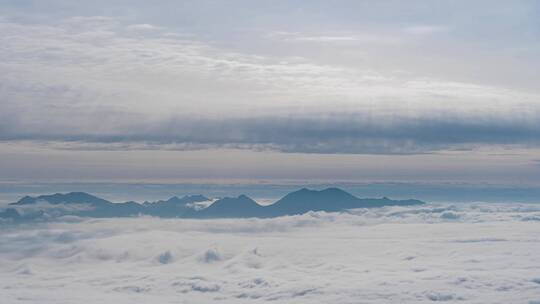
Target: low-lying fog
477	253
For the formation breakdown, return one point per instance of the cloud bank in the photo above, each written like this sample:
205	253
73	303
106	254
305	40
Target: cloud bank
97	82
393	254
324	134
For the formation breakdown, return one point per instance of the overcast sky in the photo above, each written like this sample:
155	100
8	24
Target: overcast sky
270	90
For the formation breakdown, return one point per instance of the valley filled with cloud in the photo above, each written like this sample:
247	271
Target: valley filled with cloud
463	253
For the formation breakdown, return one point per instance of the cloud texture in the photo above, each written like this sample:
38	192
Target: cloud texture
415	255
104	80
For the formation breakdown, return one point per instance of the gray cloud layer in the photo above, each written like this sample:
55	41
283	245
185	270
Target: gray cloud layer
323	134
89	78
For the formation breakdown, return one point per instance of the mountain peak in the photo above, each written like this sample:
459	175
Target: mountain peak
25	200
186	199
63	198
304	200
305	192
297	202
241	206
173	198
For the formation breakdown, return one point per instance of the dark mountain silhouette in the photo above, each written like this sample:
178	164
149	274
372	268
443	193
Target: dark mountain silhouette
298	202
241	206
87	205
67	198
98	207
329	200
173	207
175	200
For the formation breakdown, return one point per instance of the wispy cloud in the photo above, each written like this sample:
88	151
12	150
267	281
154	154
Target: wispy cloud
426	29
327	38
96	80
338	37
144	27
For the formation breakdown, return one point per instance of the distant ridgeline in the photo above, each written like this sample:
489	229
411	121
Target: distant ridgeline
193	206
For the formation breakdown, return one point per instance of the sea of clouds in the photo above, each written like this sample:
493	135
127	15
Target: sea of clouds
474	253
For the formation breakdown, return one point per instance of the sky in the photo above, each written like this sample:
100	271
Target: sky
167	91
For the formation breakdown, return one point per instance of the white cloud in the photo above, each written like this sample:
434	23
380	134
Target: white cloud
392	254
354	38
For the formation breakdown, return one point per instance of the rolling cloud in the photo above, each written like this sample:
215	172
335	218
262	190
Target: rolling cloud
315	257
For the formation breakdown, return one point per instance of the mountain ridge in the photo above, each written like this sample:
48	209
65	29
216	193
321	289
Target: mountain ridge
297	202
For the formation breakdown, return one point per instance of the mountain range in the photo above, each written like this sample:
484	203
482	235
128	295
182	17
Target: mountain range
193	206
